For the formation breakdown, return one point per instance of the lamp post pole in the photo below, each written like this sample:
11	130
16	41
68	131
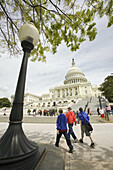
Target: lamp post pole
16	151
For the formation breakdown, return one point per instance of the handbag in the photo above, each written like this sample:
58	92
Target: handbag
87	125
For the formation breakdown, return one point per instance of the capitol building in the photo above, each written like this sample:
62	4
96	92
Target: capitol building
76	87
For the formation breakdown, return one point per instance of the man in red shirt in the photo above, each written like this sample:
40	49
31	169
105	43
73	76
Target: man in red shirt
70	120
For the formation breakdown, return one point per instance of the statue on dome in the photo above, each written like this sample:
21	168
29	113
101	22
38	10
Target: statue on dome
73	63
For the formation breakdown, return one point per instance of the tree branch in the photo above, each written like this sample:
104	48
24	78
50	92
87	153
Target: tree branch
4	36
83	4
60	10
91	4
8	16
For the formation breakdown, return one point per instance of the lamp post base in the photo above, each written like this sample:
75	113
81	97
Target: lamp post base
28	163
17	152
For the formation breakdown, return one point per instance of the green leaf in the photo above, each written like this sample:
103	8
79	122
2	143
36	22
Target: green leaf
64	21
110	22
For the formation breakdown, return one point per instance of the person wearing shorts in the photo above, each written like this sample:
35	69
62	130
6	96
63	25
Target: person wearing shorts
83	127
84	130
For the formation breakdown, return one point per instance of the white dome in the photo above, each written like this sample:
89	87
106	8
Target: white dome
74	69
74	75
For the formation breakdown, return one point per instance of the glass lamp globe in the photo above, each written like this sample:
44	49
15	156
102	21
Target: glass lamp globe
29	33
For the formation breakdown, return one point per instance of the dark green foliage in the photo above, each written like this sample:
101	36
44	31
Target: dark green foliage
4	102
57	21
29	111
107	88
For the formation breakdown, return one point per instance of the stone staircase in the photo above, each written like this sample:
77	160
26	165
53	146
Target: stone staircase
81	103
92	103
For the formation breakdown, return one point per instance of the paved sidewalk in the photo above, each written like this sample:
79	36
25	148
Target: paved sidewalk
83	158
52	119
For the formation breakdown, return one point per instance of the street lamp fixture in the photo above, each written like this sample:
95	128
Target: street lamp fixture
16	151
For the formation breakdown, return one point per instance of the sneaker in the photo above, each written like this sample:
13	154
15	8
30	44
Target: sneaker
71	151
81	141
76	140
92	145
56	145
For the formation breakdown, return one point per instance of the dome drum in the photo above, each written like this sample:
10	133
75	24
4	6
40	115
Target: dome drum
78	80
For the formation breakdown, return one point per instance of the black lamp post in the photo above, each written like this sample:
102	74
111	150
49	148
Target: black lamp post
100	102
16	151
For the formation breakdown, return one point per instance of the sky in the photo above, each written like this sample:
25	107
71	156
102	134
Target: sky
95	59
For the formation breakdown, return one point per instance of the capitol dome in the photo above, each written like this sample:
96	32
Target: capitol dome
74	75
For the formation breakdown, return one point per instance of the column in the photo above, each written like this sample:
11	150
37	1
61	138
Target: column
60	93
79	90
73	91
70	91
65	92
56	93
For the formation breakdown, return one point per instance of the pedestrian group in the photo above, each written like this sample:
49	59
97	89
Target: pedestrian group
70	119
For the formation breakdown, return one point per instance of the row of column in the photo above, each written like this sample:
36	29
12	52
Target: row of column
67	92
75	81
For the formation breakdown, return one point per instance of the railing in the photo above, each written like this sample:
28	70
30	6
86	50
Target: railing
100	102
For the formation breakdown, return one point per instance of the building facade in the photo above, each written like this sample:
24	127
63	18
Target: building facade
75	87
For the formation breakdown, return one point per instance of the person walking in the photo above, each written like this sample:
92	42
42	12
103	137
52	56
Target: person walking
107	113
62	129
89	111
82	115
98	111
101	112
70	120
40	112
77	117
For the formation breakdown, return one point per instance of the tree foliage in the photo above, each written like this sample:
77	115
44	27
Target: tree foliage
4	102
107	88
29	111
56	21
